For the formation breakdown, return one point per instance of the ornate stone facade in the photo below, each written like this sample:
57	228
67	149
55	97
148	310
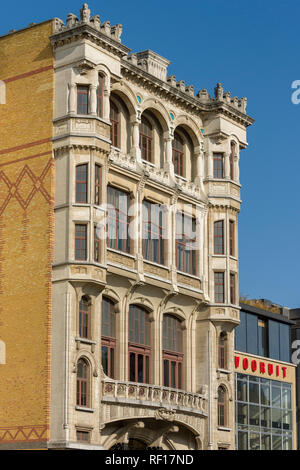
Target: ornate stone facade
95	76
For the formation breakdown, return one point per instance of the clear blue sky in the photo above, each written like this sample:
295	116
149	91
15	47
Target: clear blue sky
252	48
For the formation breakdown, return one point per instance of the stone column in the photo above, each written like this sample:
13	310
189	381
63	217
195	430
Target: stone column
236	160
198	155
72	99
93	99
106	106
227	165
168	166
135	150
210	169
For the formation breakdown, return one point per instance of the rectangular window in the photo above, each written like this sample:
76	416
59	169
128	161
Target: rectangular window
118	219
100	96
97	185
219	287
81	183
262	327
218	165
81	242
232	289
231	238
185	243
83	436
219	237
82	99
153	239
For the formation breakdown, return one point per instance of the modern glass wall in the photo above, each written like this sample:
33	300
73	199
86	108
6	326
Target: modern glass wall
263	414
263	337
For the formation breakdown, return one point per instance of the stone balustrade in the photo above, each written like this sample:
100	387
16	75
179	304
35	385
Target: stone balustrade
153	396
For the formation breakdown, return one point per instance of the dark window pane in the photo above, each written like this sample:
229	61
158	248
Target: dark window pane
240	334
132	367
274	339
105	359
251	334
166	373
284	332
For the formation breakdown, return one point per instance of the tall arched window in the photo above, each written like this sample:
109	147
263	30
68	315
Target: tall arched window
172	352
115	127
100	89
221	406
139	345
178	154
82	389
84	317
231	160
146	139
108	337
222	363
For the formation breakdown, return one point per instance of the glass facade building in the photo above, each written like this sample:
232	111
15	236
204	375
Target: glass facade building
263	414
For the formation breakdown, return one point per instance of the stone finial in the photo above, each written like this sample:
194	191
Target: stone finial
95	21
72	20
227	96
244	104
203	95
58	25
235	101
172	80
190	90
106	28
85	13
116	32
181	85
219	92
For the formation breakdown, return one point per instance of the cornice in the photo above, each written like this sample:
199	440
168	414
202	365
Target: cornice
136	73
85	31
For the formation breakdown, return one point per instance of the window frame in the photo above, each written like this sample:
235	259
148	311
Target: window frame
232	284
83	385
219	239
159	230
109	340
216	283
115	124
83	90
98	185
84	318
84	239
99	94
136	348
79	183
222	407
182	243
114	243
232	238
218	157
178	155
147	138
173	355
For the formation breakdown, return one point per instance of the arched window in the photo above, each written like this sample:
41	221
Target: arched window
221	406
222	363
178	154
172	352
82	389
139	345
100	89
114	118
146	139
108	337
231	160
84	317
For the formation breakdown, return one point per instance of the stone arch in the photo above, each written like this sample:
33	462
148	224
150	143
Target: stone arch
191	127
159	111
2	352
89	357
142	302
127	95
112	295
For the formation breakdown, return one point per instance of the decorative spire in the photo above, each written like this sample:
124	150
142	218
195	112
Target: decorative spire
85	13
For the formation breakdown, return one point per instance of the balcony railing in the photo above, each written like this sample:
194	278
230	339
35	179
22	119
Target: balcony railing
153	396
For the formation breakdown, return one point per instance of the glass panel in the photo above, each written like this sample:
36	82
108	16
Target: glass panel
240	334
262	338
132	367
276	418
286	398
265	394
254	441
253	392
147	370
112	363
274	339
284	333
287	441
276	392
242	440
173	374
179	375
265	417
242	390
242	413
287	420
105	359
276	442
266	442
166	373
252	334
254	415
140	368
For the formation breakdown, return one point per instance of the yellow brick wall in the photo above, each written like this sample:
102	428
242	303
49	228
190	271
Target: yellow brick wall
26	226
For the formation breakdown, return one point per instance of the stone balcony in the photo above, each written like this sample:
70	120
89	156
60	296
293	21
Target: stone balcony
154	397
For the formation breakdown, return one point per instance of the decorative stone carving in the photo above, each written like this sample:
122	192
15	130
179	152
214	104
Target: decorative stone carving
72	20
85	13
116	32
95	21
165	414
219	92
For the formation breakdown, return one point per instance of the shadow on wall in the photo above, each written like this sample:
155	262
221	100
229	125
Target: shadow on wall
2	92
2	352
